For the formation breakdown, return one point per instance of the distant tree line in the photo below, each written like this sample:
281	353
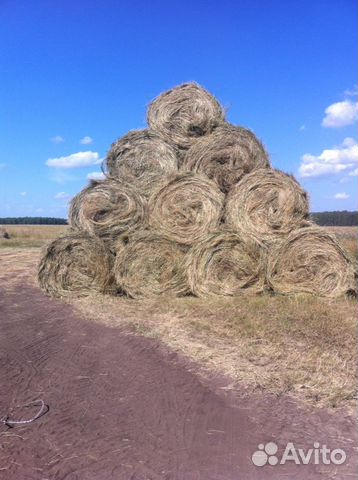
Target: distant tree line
32	221
336	219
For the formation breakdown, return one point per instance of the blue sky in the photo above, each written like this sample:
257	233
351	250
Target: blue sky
77	75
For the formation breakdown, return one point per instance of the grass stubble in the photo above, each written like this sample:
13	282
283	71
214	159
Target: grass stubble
303	346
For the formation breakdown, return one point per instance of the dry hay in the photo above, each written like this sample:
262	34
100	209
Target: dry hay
310	260
267	203
185	208
140	158
147	265
184	114
226	155
4	234
76	265
107	209
226	263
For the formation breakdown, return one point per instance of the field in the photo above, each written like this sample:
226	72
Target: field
28	236
169	387
301	346
348	238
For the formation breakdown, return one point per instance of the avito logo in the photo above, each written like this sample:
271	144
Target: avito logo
268	454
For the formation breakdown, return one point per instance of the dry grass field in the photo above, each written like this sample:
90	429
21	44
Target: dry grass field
22	236
27	236
348	236
302	346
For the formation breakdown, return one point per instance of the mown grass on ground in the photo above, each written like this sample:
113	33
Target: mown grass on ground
302	346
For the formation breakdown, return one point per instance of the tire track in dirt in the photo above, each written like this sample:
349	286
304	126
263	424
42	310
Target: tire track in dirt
124	407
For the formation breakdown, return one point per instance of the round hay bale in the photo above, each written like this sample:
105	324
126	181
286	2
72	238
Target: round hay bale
226	155
4	234
76	265
185	208
141	158
184	114
149	265
107	209
310	260
226	263
267	203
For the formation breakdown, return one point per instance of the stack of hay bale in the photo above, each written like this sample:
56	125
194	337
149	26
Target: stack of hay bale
191	205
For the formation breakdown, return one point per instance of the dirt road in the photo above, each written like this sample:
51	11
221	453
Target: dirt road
124	407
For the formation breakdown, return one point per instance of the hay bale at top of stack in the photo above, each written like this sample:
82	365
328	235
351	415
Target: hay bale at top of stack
185	208
141	158
268	204
226	263
107	209
147	265
76	264
309	260
184	114
226	155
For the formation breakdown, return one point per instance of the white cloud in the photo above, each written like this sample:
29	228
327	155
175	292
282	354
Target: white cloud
57	139
349	142
96	176
344	180
23	194
86	140
340	114
79	159
62	196
302	127
341	196
352	93
331	161
354	173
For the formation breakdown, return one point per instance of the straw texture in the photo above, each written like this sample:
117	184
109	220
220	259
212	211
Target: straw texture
226	155
184	114
141	158
76	265
107	209
268	204
185	208
226	263
191	205
310	260
148	265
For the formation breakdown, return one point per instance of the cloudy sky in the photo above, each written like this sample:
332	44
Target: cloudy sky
77	75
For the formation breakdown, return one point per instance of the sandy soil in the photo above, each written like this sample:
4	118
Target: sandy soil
125	407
